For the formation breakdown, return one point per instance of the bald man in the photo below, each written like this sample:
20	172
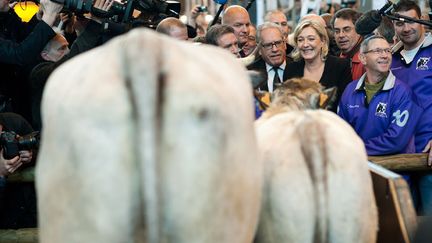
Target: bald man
55	49
173	27
279	18
238	18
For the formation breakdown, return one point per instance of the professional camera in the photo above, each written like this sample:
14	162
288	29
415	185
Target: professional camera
348	3
122	11
11	143
202	9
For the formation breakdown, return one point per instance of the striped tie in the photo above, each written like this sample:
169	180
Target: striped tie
276	79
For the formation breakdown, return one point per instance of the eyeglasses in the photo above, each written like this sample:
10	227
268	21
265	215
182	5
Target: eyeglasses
379	51
269	46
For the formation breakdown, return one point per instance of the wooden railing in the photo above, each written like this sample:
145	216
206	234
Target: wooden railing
403	162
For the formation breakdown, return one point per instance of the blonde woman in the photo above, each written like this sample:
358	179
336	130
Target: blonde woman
311	59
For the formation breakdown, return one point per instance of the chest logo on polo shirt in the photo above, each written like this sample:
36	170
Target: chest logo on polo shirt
381	109
422	63
401	118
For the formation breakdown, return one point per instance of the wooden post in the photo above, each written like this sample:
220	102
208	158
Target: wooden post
397	216
403	162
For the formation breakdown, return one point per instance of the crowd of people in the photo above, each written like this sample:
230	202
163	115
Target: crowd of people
383	79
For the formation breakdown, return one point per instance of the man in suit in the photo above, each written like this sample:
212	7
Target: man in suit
272	48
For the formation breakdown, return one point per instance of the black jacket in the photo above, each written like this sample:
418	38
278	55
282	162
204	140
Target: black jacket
28	50
337	72
90	38
259	65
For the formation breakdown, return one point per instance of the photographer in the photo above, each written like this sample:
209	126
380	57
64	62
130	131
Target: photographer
29	49
91	36
17	200
198	19
16	123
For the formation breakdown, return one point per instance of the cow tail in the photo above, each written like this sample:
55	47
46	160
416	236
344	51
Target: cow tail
313	146
147	112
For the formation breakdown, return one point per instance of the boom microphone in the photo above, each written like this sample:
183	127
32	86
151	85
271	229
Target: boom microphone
370	20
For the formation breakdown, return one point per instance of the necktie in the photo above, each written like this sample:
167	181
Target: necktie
276	79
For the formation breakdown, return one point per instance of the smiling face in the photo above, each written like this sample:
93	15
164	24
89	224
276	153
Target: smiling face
345	35
272	47
309	44
377	56
411	34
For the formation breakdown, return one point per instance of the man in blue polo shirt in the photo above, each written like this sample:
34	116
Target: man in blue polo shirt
378	106
412	64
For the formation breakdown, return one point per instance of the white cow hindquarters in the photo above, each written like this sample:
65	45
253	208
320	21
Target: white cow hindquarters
156	148
316	180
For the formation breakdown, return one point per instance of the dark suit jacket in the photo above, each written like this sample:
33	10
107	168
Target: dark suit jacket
90	38
337	72
29	49
259	65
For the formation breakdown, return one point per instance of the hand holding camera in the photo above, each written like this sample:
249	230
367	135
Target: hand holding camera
8	167
197	10
14	145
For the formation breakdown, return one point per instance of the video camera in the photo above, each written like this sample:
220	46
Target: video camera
125	8
11	143
120	17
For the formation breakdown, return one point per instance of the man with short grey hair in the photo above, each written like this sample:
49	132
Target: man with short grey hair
379	107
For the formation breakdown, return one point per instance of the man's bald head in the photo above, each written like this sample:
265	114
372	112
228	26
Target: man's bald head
173	27
55	49
238	18
278	17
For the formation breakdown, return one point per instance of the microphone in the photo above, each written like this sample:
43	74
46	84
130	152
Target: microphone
221	8
368	22
371	19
